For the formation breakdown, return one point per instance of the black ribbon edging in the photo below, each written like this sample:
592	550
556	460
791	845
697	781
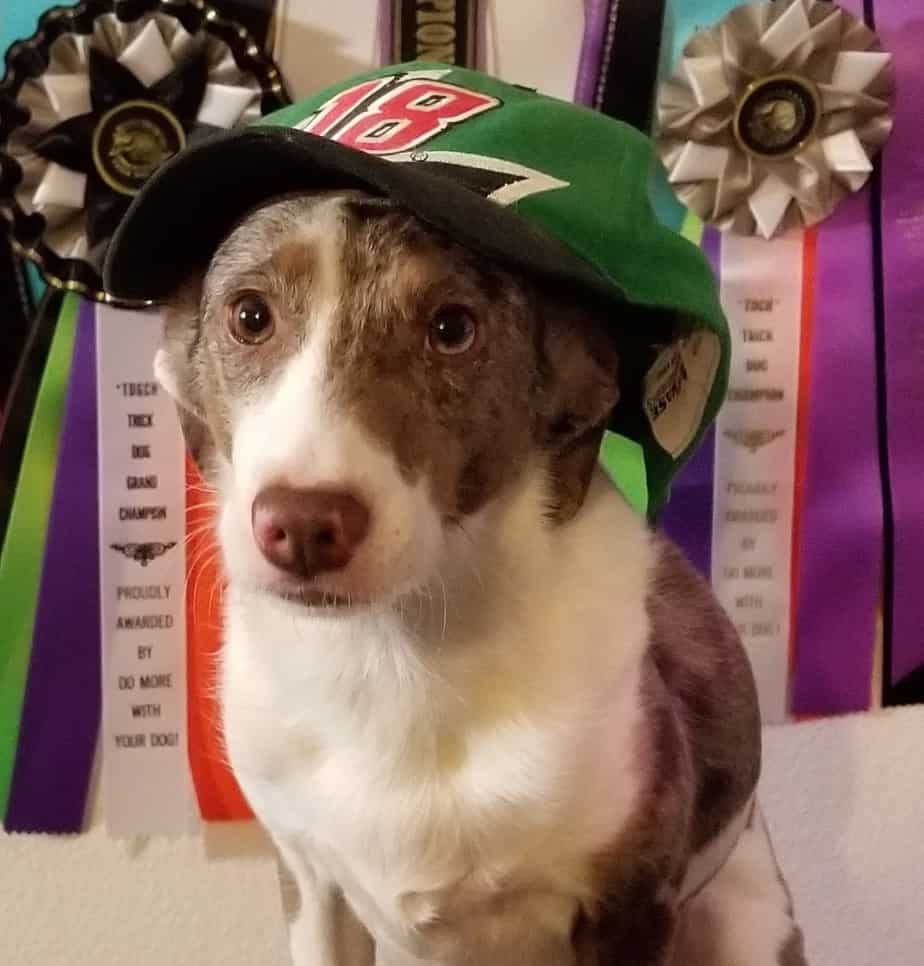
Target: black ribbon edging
16	312
256	16
629	69
910	690
17	415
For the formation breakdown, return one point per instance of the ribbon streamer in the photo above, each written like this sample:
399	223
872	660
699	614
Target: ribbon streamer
618	68
444	31
20	403
755	461
900	295
146	786
60	717
17	311
24	546
841	520
217	792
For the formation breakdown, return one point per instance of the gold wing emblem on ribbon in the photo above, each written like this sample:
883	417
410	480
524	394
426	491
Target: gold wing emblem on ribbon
753	439
143	553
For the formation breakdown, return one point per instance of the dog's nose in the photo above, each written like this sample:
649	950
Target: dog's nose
308	532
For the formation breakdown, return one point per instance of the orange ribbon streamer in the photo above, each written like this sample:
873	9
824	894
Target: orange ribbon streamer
217	791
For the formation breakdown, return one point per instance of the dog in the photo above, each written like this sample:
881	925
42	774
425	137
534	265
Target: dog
486	713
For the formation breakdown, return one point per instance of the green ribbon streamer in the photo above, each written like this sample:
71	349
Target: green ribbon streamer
623	460
24	546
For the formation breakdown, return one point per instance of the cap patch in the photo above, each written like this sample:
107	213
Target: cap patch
396	113
677	389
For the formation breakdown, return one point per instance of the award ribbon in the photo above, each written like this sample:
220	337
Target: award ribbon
94	102
60	718
790	536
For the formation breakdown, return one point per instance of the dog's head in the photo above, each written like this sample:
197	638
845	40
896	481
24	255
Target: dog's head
362	391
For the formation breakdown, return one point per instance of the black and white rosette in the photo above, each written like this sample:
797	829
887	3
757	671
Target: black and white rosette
774	114
92	104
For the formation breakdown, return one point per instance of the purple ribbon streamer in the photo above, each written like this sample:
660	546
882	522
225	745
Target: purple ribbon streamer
900	24
687	517
841	523
61	710
596	21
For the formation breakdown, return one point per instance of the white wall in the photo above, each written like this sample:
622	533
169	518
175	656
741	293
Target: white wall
88	900
845	801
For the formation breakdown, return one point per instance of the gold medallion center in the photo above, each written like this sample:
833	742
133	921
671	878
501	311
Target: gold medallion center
132	140
776	116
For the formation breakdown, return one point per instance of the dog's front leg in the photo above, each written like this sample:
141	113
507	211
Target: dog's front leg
322	928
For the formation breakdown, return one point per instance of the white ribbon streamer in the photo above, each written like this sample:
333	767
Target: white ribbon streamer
761	290
147	787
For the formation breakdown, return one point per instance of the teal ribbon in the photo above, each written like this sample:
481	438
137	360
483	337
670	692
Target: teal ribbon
682	19
19	21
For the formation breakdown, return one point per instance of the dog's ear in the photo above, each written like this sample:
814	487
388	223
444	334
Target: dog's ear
579	363
178	365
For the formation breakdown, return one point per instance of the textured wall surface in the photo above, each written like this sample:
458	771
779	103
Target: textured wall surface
845	800
211	899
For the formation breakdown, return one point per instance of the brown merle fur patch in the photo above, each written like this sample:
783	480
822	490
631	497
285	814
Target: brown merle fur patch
703	665
702	758
538	376
633	917
541	376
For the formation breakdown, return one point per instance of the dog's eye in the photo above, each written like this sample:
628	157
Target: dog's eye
250	319
452	330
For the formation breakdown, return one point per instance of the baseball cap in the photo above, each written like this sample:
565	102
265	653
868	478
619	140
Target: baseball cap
541	185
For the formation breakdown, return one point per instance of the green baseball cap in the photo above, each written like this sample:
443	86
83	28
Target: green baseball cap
539	184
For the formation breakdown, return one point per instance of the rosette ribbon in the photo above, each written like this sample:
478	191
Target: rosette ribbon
774	114
769	128
94	564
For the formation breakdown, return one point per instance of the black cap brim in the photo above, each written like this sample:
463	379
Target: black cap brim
182	214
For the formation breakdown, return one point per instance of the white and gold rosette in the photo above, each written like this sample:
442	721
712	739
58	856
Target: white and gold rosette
96	101
773	115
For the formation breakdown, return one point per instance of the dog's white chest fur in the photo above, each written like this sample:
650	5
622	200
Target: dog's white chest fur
424	775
